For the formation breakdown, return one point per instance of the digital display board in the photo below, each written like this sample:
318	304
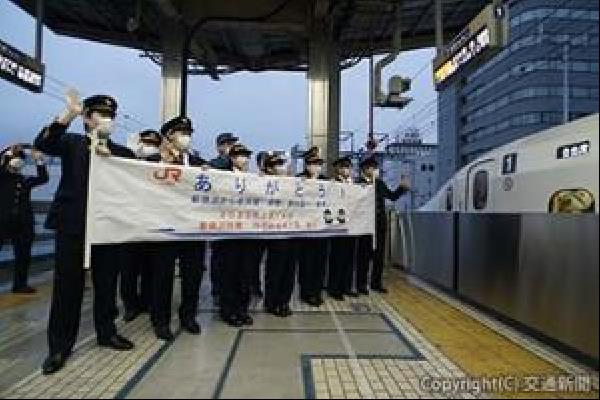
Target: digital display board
20	69
573	150
480	39
466	53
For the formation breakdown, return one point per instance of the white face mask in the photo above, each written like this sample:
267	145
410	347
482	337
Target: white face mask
241	162
104	127
314	170
145	151
376	174
183	141
281	170
223	149
345	173
16	164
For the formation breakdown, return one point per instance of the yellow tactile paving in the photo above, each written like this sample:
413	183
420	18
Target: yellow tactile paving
475	348
9	300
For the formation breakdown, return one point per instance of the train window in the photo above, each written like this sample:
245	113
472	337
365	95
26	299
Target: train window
509	164
572	201
480	190
449	199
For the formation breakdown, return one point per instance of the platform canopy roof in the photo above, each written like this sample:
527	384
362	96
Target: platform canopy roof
255	35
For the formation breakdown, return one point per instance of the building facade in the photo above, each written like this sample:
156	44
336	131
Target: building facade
408	157
525	87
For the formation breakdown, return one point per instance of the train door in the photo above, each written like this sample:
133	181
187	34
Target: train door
479	191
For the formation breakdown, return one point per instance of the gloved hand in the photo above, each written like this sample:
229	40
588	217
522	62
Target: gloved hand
74	107
37	156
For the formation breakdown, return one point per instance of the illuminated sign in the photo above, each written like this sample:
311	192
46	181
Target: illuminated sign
465	54
482	37
20	69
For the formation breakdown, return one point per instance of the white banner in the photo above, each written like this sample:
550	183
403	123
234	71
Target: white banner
136	201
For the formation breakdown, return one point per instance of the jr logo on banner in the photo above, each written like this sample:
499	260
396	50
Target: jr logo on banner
136	201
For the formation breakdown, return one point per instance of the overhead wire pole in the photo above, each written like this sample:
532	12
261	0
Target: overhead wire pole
439	26
371	100
39	30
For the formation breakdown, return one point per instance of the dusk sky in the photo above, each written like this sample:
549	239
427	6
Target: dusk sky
267	110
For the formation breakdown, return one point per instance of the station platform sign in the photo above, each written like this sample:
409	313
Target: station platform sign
21	69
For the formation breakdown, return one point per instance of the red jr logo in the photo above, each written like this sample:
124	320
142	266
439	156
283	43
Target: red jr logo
168	176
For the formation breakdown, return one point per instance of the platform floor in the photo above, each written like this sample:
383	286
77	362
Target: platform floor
412	343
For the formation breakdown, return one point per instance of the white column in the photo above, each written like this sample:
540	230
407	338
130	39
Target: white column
323	94
172	42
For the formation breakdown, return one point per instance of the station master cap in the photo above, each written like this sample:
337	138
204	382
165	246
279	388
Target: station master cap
225	138
369	162
150	136
239	149
177	123
273	159
343	162
101	103
313	156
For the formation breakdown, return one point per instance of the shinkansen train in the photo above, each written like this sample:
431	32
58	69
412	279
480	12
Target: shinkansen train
555	170
516	233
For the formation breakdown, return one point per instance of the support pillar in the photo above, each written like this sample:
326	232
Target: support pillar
172	43
324	94
439	26
39	29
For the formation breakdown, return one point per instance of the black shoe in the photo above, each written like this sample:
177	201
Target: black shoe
116	342
232	320
24	290
190	325
131	314
337	296
314	302
258	293
363	291
163	332
351	294
287	310
272	310
380	290
284	311
246	319
54	363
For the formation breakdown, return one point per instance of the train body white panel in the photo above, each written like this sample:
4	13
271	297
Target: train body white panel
523	176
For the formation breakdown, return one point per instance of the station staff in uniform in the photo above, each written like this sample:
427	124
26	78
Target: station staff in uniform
175	149
341	263
16	214
237	267
67	216
136	274
312	253
370	175
223	163
280	268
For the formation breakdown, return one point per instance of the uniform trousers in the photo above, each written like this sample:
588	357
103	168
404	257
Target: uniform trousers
341	265
312	266
22	256
67	294
280	273
237	277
